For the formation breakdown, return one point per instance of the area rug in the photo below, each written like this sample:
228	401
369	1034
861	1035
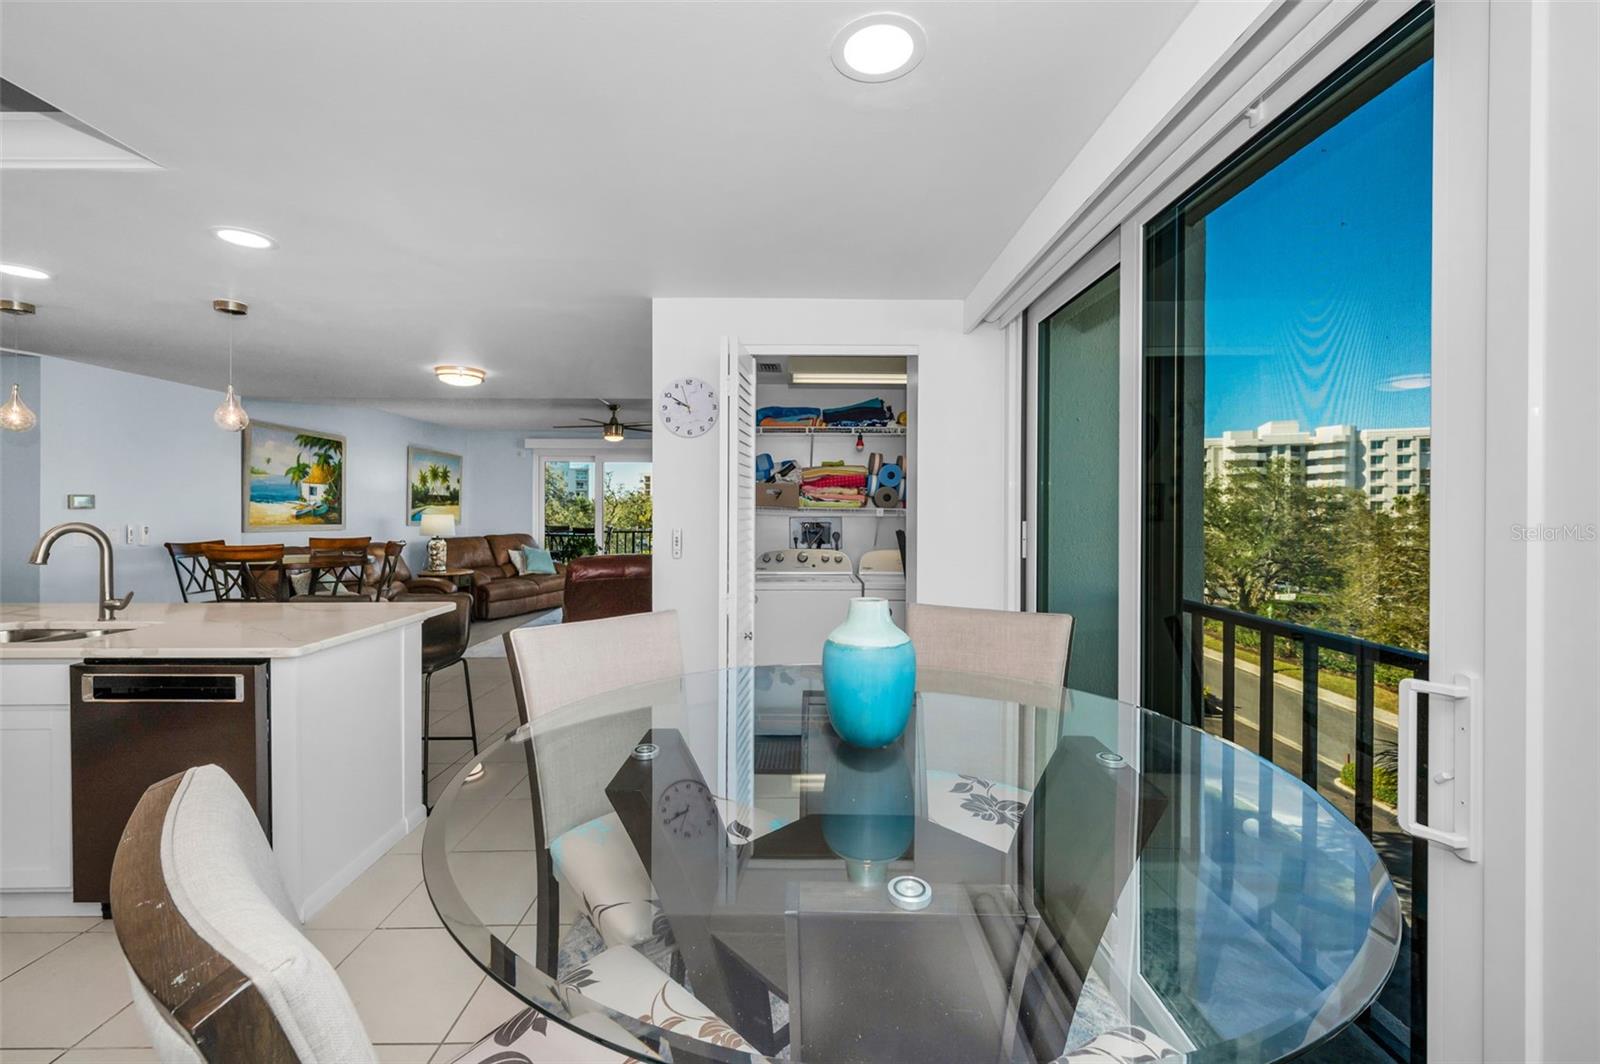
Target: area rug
495	646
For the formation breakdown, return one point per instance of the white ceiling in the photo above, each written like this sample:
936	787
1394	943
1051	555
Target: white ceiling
509	184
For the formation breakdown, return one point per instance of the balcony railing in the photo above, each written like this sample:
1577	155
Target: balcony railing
1357	718
565	544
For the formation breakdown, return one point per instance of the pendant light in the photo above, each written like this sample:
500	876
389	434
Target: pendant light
15	416
230	416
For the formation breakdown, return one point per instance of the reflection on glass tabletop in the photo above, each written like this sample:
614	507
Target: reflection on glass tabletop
702	869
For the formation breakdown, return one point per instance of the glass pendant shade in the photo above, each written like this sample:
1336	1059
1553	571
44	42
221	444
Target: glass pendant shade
14	413
230	415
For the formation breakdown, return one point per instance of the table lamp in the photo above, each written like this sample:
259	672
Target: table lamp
437	526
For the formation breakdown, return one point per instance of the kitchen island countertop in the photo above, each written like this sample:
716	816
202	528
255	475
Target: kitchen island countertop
207	629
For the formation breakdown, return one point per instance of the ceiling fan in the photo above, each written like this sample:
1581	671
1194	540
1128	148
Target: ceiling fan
611	430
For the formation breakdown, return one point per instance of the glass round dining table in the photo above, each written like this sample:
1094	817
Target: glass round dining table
1026	874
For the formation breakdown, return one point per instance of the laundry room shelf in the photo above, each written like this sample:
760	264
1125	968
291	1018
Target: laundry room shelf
830	430
812	511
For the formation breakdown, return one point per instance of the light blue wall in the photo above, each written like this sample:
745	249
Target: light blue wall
148	450
19	485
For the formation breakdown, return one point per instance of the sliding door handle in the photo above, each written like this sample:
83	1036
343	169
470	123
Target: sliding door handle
1465	771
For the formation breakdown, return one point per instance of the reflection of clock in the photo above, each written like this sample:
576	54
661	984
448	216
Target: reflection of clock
686	809
688	407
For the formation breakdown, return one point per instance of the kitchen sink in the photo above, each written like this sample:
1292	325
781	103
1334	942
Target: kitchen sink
52	635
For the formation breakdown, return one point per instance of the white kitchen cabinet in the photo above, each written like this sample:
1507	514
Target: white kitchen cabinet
35	778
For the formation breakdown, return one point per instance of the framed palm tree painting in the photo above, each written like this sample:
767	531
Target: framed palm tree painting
433	484
293	478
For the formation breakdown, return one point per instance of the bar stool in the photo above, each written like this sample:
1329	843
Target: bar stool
444	643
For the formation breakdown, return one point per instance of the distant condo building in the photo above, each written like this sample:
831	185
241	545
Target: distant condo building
1382	464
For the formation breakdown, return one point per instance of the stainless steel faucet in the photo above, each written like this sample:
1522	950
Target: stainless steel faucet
109	603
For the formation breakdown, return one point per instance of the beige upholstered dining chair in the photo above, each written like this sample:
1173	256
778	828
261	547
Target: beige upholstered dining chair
219	968
555	665
1031	647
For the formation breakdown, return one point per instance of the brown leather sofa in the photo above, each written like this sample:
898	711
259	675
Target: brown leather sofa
607	585
497	589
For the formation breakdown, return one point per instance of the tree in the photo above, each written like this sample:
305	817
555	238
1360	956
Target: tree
329	453
1267	533
1384	592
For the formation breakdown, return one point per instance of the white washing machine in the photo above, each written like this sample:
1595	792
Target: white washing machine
882	576
801	595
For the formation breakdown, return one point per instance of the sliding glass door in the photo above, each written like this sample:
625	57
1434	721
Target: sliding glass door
593	505
1288	456
1076	541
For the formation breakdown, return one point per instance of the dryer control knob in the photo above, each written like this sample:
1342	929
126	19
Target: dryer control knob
778	557
802	557
766	557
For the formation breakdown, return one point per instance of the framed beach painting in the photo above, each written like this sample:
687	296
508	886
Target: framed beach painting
293	478
433	484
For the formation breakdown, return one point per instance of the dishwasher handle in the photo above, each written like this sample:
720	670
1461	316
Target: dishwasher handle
157	686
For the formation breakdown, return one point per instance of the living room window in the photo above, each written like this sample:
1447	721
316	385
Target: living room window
592	505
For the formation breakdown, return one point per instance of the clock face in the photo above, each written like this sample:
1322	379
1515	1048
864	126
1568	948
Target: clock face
686	809
688	407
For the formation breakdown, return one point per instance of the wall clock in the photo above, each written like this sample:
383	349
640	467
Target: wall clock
688	407
686	809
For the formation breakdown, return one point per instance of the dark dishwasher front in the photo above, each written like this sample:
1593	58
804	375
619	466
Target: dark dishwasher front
135	723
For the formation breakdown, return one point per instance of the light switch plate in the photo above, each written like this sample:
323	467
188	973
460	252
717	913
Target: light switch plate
133	535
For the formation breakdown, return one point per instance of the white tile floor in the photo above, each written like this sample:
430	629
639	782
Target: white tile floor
64	995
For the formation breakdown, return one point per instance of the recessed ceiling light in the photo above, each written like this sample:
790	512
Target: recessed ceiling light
460	376
32	273
245	238
879	47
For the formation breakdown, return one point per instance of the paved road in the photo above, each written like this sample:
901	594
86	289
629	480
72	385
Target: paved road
1336	717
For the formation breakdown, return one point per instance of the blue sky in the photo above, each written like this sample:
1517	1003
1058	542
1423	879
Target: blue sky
1317	276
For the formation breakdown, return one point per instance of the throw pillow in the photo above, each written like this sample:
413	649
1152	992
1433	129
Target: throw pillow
537	562
518	562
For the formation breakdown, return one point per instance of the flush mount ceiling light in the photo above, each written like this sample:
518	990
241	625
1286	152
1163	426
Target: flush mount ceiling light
879	47
460	376
245	238
32	273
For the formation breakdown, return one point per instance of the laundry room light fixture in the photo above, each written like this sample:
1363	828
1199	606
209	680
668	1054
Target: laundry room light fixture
829	369
460	376
245	238
879	47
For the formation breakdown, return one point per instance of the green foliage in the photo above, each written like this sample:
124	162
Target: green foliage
1318	556
1267	533
627	509
564	508
1385	781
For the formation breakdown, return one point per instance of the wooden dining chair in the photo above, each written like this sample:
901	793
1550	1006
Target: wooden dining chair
221	970
382	569
189	562
340	572
316	543
253	573
1031	647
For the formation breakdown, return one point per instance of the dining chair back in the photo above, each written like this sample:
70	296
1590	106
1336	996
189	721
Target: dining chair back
381	571
316	543
252	573
338	571
1030	647
190	564
220	968
555	665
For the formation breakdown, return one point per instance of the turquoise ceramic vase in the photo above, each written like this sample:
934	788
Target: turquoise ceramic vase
870	674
